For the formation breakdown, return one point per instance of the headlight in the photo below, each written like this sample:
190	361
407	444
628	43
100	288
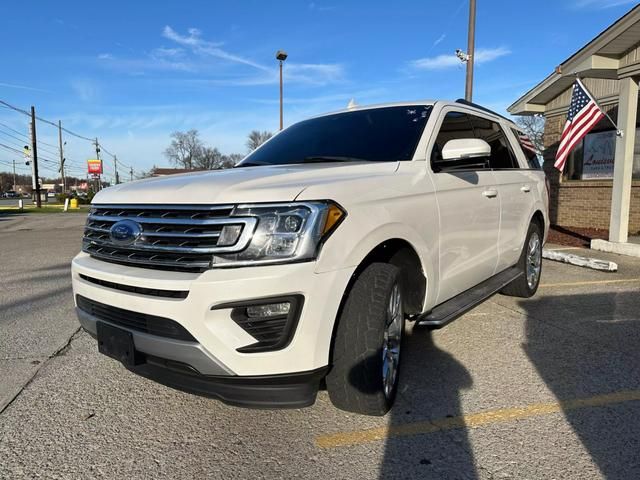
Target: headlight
284	232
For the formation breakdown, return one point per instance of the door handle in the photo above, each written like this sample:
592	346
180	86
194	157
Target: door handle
525	189
490	193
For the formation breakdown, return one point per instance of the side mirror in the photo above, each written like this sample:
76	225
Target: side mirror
463	148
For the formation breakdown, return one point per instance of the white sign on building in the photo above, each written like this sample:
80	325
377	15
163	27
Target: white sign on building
599	153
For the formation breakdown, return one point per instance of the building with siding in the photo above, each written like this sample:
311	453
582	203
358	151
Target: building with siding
600	186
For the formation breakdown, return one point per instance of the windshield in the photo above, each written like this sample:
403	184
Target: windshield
376	135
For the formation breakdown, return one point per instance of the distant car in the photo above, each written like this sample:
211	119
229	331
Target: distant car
51	194
11	194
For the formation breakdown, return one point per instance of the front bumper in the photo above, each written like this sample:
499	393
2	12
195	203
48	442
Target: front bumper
214	354
188	367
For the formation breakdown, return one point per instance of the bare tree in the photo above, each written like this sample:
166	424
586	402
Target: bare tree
533	127
233	159
209	159
185	149
257	138
141	174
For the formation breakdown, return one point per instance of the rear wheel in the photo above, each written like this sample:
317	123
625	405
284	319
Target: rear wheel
530	264
366	348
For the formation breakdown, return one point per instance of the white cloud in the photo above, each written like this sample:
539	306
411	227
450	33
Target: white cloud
203	47
314	73
441	62
167	52
321	8
484	55
105	56
86	90
601	4
21	87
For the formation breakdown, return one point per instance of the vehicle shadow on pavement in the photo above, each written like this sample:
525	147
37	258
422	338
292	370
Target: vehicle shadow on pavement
585	346
430	385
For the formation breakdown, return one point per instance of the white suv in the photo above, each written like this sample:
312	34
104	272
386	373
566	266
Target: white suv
303	263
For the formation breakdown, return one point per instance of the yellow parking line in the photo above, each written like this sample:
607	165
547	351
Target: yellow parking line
593	282
474	420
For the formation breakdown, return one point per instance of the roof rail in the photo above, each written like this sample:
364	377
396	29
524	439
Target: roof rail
480	107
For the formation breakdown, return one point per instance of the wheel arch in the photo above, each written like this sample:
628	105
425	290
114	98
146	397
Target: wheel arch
413	276
538	217
402	254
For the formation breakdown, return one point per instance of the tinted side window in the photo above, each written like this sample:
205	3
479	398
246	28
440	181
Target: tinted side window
528	149
455	125
502	156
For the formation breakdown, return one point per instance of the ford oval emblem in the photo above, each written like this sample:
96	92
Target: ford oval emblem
125	232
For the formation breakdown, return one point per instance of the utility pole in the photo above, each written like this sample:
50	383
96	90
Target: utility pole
99	187
468	91
131	174
60	146
115	167
34	157
14	175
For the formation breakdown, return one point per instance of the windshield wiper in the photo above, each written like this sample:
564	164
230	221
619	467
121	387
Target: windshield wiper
329	158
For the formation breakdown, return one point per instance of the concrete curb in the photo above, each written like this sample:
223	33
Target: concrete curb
577	260
631	249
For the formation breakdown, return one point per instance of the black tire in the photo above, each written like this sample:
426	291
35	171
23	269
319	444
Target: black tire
520	287
355	381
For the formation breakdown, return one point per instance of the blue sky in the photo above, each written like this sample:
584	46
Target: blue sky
131	72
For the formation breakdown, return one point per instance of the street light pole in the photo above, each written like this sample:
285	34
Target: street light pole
468	91
281	56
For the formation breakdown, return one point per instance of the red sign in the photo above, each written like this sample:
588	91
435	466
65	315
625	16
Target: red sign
94	166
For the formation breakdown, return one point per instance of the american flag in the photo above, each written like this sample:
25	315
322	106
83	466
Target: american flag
526	142
583	114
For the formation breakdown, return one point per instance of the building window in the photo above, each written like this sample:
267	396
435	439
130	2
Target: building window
593	157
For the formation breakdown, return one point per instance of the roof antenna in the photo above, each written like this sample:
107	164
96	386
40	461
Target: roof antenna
352	104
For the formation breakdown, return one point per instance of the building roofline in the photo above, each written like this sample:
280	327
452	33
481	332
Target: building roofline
565	71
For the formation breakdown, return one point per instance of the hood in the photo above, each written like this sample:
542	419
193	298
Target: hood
278	183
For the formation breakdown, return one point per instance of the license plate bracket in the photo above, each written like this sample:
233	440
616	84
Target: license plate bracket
117	344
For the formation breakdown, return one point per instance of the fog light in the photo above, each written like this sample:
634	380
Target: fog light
269	310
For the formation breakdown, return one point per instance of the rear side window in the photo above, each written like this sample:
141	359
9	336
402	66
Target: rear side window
529	150
502	157
456	125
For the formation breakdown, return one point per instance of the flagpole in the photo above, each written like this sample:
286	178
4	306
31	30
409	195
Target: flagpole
619	132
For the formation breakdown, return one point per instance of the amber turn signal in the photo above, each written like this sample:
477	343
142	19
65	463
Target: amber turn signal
334	214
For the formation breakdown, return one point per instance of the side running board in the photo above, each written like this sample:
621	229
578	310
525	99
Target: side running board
455	307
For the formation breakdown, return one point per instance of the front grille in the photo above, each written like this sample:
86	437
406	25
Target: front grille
172	237
163	327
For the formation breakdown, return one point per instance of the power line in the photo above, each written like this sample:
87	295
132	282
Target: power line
13	143
11	148
14	130
49	122
40	142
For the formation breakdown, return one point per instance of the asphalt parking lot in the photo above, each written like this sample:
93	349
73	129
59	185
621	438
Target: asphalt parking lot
542	388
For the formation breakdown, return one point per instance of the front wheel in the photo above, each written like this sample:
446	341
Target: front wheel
366	348
530	264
